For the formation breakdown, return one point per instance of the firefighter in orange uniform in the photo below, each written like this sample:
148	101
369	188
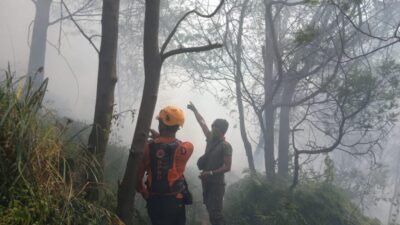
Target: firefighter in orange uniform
160	180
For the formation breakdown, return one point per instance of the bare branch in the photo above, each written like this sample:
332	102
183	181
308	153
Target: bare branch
167	41
397	31
357	27
29	33
318	91
190	49
60	28
71	14
287	3
70	69
80	29
341	131
370	52
296	151
95	36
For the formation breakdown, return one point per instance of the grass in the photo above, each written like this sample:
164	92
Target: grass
40	175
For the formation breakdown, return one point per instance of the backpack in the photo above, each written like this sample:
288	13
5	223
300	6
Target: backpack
166	153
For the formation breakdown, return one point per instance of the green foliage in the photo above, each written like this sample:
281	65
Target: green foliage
347	5
255	201
312	2
386	90
306	34
37	178
368	96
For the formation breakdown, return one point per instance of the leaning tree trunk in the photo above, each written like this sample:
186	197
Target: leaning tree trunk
243	132
152	67
37	53
238	83
107	78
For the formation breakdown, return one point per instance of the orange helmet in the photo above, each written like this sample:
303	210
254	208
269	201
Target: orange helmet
171	116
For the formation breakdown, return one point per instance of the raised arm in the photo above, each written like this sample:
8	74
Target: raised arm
200	120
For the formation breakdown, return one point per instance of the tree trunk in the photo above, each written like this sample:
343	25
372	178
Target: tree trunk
269	155
243	132
37	53
289	88
259	153
238	80
152	66
284	128
107	78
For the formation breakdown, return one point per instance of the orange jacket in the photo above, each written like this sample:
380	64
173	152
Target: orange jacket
182	155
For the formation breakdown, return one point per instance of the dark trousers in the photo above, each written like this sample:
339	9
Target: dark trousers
166	210
213	195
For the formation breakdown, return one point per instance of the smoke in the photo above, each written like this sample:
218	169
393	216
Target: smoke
72	74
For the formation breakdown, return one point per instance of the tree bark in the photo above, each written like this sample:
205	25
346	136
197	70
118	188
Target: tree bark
152	67
37	53
107	78
269	111
238	83
284	128
259	152
269	142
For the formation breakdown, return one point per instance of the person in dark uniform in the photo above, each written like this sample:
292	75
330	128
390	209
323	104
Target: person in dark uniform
215	162
160	177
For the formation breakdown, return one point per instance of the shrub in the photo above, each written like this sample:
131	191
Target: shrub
36	182
255	201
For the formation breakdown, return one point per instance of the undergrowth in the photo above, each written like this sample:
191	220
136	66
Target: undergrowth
39	183
254	200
